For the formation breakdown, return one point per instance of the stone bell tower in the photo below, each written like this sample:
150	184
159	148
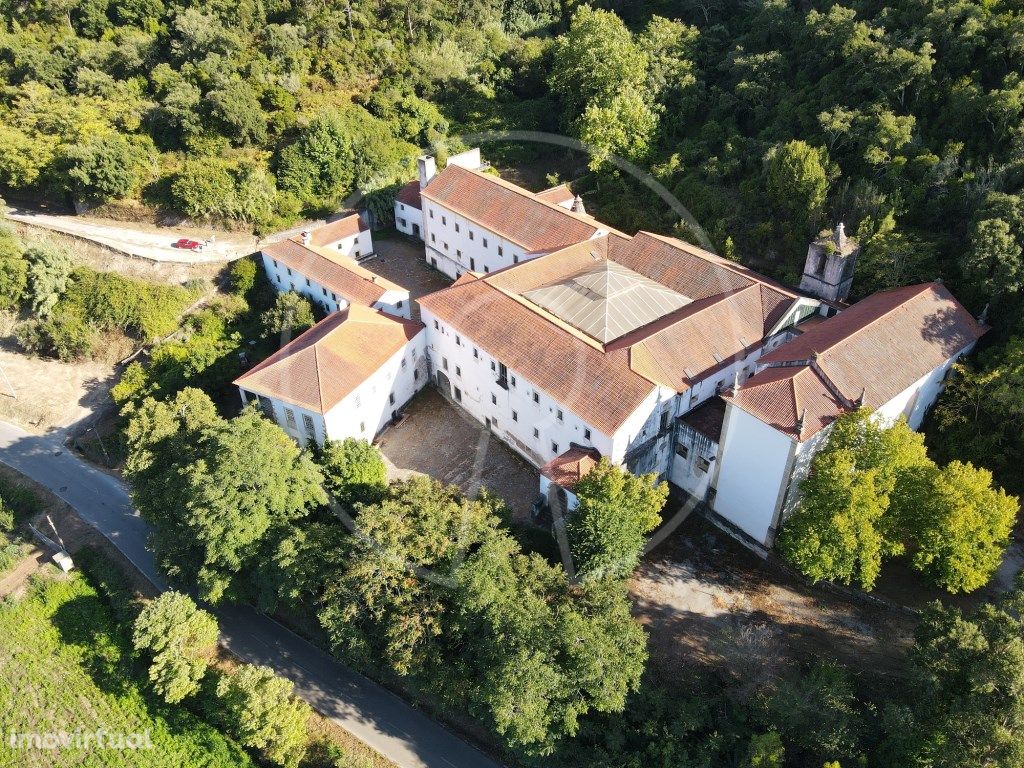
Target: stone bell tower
828	271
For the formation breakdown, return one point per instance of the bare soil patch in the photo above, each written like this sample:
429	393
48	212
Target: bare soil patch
711	606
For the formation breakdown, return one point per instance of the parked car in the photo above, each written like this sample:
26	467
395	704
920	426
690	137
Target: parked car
188	245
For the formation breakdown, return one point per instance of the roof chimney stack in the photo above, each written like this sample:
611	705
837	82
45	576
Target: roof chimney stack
307	237
577	205
736	381
427	168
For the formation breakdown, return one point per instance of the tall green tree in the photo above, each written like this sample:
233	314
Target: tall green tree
616	511
217	492
354	471
49	269
179	637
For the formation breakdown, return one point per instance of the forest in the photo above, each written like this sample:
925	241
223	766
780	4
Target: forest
769	120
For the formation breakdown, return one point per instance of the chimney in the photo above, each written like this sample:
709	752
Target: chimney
736	382
428	169
800	422
307	237
577	205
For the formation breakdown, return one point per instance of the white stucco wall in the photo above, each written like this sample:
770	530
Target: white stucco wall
366	410
285	279
406	217
353	246
753	472
468	245
513	413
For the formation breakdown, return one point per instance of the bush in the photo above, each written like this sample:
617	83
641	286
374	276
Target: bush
291	312
110	581
242	276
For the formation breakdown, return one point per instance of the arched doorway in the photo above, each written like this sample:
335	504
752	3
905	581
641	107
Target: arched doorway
444	385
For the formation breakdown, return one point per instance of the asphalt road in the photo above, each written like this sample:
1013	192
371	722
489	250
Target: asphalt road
401	733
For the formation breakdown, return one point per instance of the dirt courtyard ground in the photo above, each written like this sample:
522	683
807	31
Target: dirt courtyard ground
436	439
400	260
711	606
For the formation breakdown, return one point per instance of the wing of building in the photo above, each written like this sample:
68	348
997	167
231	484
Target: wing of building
570	340
347	376
322	265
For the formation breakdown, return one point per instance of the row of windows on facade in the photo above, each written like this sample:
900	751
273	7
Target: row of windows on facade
703	465
472	236
334	296
503	375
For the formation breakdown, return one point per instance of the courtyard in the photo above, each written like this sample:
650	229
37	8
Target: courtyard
400	259
435	438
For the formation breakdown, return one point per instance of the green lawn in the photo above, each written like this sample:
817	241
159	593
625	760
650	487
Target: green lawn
65	665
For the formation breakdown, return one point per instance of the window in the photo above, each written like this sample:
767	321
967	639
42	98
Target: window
458	253
536	397
403	362
334	295
494	422
554	448
703	465
536	432
402	221
486	268
494	399
324	290
485	242
471	234
275	262
436	326
391	398
444	363
586	434
458	370
472	263
292	285
476	353
399	304
515	416
444	219
289	270
559	414
289	417
512	380
433	239
431	212
683	451
401	207
307	422
456	226
279	278
494	366
445	246
458	340
501	250
415	375
307	281
362	426
356	253
515	259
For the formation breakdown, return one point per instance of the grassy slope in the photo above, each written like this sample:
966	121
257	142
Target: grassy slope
65	665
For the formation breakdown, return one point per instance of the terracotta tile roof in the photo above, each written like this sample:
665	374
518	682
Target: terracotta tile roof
778	397
508	210
321	367
598	387
410	194
557	195
704	337
707	418
346	226
878	347
338	273
567	469
885	342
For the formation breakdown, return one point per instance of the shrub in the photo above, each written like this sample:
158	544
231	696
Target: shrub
242	276
291	312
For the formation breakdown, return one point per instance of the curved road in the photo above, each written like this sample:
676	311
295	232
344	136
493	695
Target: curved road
398	731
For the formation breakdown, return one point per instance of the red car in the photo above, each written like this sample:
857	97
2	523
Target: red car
188	245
